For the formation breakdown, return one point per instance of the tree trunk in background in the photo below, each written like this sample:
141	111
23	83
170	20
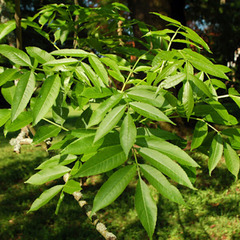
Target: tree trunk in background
140	10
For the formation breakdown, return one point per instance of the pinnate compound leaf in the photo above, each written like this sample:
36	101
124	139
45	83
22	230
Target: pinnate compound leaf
48	174
15	55
199	134
40	55
166	165
45	197
23	93
113	187
46	98
103	108
72	186
160	182
167	148
231	159
5	115
99	68
172	81
187	99
128	133
215	152
110	121
103	161
150	111
146	207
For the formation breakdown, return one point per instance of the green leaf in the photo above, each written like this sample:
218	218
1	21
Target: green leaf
128	133
150	112
113	187
99	68
116	75
46	98
9	75
15	55
92	76
5	115
62	61
81	75
146	207
8	91
45	197
48	174
71	53
40	55
110	121
105	160
6	28
166	165
103	108
200	85
167	19
187	99
236	99
147	96
172	81
160	182
231	159
83	145
72	186
199	134
23	93
169	149
45	132
58	160
215	152
110	63
21	121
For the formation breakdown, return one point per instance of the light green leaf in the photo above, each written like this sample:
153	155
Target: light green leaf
146	207
104	107
199	134
169	149
167	19
15	55
236	99
8	91
105	160
71	53
99	68
72	186
46	98
92	76
172	81
81	75
45	197
116	75
48	174
231	159
62	61
45	132
200	85
215	152
21	121
83	145
166	165
9	75
147	96
110	121
187	99
5	115
128	133
40	55
160	182
110	63
6	28
150	112
113	187
58	160
23	93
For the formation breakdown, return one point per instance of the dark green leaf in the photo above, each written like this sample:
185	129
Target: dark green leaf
199	134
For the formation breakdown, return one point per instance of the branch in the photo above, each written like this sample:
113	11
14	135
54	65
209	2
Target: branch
100	227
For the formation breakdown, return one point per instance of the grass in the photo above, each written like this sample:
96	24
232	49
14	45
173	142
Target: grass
213	210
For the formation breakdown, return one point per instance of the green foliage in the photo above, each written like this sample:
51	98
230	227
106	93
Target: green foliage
120	100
